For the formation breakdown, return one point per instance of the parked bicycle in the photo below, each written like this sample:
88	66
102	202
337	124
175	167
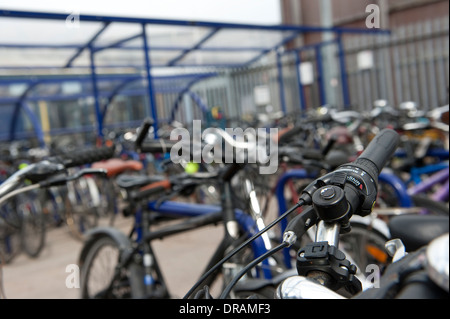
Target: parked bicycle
332	199
116	265
44	174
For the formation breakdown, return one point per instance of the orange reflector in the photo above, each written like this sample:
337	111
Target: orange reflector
377	253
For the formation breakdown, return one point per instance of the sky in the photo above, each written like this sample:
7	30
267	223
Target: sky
237	11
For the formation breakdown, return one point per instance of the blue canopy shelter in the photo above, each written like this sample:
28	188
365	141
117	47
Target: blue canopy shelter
164	55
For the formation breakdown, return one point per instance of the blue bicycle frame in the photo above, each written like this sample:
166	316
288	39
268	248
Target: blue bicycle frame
191	210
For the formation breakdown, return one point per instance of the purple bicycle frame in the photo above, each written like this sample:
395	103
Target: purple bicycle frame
436	179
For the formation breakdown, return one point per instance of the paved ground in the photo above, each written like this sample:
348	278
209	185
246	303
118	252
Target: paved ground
182	258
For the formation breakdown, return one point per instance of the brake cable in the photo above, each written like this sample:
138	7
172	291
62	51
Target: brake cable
300	203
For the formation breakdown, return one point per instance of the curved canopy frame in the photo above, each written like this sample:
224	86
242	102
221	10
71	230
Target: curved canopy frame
150	48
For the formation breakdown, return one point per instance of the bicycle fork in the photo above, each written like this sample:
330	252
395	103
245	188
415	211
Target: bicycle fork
151	274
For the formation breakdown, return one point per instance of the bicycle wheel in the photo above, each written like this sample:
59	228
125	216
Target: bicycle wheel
104	196
9	242
364	246
98	270
101	278
430	206
80	215
10	239
33	230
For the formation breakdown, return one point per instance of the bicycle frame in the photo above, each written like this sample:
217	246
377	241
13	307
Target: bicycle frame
202	215
439	177
192	216
417	172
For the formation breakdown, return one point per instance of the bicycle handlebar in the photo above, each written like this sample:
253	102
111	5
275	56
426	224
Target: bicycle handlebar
85	156
380	150
142	132
335	197
43	170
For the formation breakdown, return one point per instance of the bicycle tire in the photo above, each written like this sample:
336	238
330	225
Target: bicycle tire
431	206
106	208
10	239
10	245
128	285
78	215
89	275
33	228
365	246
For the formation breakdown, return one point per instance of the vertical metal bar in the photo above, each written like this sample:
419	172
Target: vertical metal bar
445	26
397	76
414	75
375	72
421	60
251	105
151	94
98	112
357	74
238	95
405	66
229	95
301	93
440	64
343	69
35	122
388	69
322	94
385	75
432	76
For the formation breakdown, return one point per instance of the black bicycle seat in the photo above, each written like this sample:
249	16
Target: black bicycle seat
416	231
128	182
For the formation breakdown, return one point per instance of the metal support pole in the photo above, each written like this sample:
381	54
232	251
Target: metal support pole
281	83
151	94
322	93
96	95
330	68
301	93
343	70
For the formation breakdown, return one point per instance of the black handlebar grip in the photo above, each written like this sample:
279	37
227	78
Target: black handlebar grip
143	131
88	156
157	146
379	151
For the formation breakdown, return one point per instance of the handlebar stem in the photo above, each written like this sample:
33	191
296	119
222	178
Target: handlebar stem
328	232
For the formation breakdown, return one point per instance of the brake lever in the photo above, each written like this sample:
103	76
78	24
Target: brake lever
60	180
40	171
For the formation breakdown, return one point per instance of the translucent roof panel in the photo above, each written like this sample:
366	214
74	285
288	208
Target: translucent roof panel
13	57
38	32
117	32
175	36
37	39
119	57
133	57
238	38
217	58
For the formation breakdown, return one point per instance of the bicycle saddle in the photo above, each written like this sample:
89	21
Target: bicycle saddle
115	166
416	231
127	182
